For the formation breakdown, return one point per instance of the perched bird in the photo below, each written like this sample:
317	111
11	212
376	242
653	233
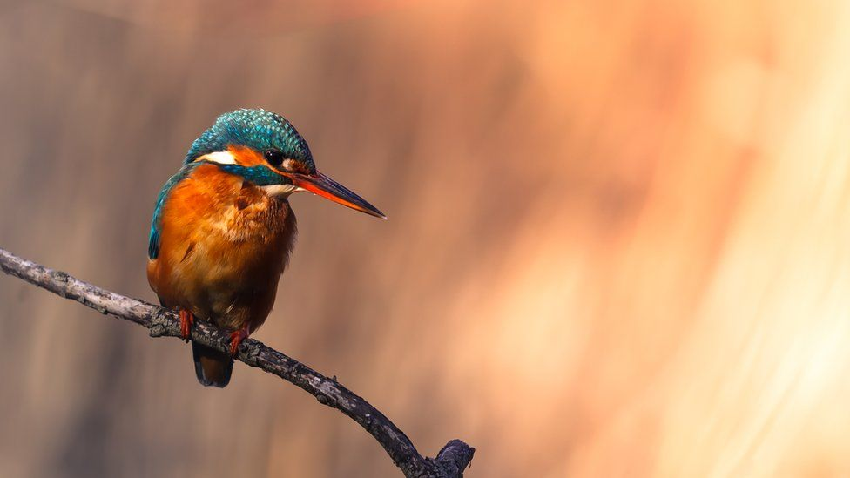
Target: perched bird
222	228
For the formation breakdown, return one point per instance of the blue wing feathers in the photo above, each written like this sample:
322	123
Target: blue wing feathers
153	241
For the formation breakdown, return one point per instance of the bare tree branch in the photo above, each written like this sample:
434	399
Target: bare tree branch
450	462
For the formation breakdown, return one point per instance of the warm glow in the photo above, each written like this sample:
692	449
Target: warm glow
619	241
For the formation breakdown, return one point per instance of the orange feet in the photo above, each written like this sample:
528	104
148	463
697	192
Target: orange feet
237	337
186	320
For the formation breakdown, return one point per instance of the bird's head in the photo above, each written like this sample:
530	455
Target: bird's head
266	150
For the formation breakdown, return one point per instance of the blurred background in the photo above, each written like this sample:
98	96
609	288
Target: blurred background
617	246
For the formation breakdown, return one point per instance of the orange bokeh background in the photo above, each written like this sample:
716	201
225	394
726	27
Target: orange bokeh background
617	246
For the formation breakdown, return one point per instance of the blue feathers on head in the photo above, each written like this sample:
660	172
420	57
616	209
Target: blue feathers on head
257	129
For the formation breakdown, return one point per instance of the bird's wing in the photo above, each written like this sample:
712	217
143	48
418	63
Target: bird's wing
153	240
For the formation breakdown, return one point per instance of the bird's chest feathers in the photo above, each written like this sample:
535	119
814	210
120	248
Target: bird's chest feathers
217	227
252	216
230	208
224	244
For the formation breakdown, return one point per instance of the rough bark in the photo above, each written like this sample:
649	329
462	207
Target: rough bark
451	461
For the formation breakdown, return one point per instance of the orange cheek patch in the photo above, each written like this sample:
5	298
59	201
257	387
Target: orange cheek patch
246	156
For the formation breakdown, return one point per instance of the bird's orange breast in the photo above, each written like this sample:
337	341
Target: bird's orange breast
223	245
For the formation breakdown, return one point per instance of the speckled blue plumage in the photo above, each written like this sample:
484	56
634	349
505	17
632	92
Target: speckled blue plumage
257	129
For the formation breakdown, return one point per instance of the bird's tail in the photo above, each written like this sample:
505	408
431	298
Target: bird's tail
212	367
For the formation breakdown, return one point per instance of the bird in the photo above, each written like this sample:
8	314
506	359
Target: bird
223	229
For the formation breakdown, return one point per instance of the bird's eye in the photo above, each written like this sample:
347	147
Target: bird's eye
274	157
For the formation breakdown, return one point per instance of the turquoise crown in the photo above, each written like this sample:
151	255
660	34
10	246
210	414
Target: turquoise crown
258	129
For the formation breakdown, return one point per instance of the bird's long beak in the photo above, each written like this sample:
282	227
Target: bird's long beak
327	188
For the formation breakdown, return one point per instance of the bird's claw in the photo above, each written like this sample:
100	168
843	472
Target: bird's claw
186	321
236	338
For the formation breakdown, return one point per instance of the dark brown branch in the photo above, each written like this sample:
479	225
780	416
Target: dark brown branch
451	461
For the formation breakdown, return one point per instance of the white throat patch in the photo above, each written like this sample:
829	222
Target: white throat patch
280	190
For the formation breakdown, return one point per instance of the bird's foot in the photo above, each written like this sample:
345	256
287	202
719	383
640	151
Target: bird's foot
186	320
237	337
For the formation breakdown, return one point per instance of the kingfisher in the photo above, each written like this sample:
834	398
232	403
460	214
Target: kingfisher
223	229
